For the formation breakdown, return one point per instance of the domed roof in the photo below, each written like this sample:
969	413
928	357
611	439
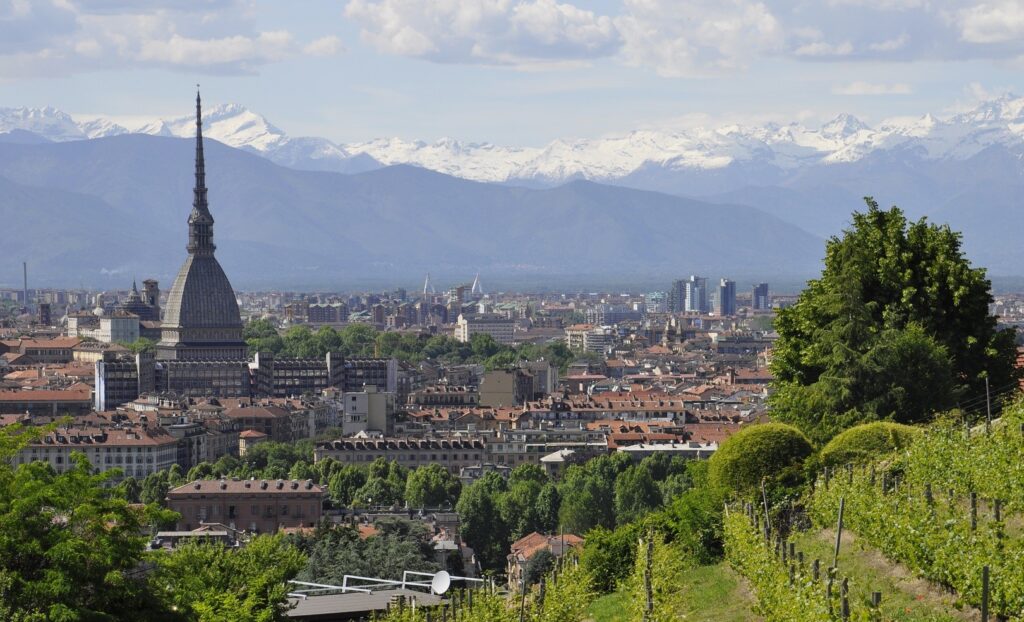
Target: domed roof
202	296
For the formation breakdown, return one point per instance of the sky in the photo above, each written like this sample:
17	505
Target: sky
511	72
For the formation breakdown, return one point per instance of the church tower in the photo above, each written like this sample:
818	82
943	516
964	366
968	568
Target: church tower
201	319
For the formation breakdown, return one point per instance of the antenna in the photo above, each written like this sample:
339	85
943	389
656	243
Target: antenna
440	583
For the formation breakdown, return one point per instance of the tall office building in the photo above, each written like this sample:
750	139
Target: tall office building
697	295
726	303
760	300
677	297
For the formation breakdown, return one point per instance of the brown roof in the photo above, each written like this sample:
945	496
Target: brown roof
76	395
235	486
247	434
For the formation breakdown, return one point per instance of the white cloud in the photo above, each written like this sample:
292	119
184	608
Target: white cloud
869	88
697	37
324	46
60	37
179	50
503	32
822	48
992	22
890	45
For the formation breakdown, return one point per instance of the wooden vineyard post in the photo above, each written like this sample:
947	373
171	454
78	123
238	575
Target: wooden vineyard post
839	531
876	606
816	570
984	594
844	600
974	511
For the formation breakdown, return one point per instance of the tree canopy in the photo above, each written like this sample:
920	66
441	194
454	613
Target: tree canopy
896	328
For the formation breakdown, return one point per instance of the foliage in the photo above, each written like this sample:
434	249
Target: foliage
70	545
897	327
210	582
483	527
934	539
661	565
141	346
770	451
866	442
608	555
337	550
636	494
539	564
432	486
778	600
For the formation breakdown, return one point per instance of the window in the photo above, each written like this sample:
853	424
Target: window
284	510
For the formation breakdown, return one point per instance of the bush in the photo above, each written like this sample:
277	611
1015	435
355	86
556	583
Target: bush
865	442
771	450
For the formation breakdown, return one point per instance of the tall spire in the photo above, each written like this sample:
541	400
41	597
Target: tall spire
200	221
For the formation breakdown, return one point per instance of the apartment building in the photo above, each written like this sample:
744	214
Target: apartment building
260	506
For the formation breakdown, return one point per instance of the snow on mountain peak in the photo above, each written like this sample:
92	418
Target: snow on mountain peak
786	146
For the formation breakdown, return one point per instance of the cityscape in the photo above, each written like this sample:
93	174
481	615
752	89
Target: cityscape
682	373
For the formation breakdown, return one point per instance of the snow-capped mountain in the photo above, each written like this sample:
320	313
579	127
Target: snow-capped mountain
638	155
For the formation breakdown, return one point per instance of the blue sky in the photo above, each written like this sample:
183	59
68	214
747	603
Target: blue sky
519	72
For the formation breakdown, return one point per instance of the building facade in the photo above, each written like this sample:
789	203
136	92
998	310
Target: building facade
258	506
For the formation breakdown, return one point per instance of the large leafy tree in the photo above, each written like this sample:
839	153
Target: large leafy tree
483	527
70	544
431	486
897	327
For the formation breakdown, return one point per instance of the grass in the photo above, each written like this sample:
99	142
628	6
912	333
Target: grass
905	597
710	594
610	608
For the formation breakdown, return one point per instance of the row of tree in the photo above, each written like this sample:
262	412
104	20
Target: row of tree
364	340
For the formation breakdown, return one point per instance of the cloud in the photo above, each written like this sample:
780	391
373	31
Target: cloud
500	32
869	88
63	37
697	37
992	22
890	45
324	46
821	48
673	38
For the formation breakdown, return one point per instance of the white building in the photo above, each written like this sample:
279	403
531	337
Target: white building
500	327
138	452
368	411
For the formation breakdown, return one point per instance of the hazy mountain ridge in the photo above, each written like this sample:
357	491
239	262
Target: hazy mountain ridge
126	199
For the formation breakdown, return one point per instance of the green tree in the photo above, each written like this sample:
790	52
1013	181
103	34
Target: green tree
70	544
636	494
539	564
484	346
431	486
141	345
130	489
546	508
896	327
345	483
483	527
588	499
210	582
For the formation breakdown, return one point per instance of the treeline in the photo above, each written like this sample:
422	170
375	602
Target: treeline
356	340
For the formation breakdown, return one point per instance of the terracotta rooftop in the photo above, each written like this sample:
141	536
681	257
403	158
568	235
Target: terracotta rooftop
236	486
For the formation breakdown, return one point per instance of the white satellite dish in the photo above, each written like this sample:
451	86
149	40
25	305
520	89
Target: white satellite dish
441	582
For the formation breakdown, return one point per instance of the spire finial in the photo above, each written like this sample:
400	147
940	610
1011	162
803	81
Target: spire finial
200	221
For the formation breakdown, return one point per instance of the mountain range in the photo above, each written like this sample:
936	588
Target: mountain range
964	169
102	211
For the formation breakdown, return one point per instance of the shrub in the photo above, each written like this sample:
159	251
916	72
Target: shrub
771	450
865	442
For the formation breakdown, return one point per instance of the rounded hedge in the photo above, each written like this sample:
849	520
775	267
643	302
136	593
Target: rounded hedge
865	442
763	450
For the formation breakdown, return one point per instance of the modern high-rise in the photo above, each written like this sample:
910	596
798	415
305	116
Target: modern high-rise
760	300
697	295
677	296
201	320
725	305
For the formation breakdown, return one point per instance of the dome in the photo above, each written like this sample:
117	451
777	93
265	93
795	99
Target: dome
202	297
